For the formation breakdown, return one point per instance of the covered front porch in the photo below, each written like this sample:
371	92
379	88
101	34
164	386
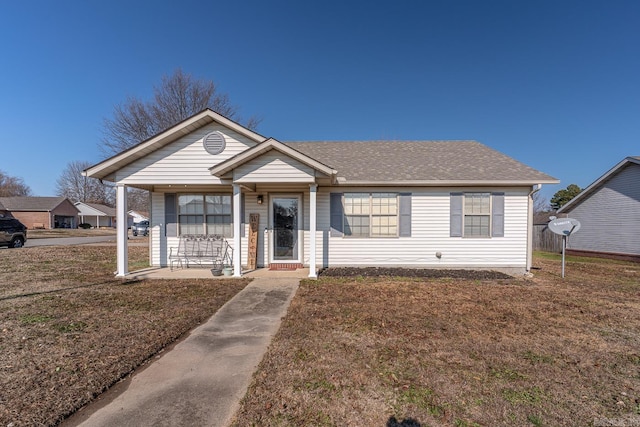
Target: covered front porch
268	226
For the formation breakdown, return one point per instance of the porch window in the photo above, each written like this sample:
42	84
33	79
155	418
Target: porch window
205	214
477	214
371	214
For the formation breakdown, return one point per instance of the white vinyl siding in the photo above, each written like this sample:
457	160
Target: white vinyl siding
430	217
429	234
184	161
274	167
159	242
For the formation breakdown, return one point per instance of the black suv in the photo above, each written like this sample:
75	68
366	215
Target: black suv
12	233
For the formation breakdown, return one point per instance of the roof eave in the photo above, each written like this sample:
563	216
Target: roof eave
449	183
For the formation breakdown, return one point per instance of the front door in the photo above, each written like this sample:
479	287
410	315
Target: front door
285	214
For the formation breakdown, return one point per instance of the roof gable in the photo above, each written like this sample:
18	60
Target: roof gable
259	150
86	208
274	166
107	167
598	183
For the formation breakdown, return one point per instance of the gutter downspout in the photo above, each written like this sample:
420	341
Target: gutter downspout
534	189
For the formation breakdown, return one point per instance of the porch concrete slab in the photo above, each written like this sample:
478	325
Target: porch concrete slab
176	273
201	381
205	273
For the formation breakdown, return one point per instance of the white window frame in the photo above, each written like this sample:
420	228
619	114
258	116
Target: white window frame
204	224
488	214
371	215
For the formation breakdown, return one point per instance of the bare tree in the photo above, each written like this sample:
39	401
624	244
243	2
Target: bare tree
138	200
13	186
178	97
540	203
78	188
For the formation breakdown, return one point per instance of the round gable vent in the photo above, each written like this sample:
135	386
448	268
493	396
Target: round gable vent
214	142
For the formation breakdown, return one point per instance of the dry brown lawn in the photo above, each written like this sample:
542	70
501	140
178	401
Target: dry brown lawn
454	352
69	329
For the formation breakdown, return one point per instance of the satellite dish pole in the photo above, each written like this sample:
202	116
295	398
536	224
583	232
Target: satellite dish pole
564	227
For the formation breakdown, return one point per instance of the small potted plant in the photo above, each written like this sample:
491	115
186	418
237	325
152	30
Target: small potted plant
227	270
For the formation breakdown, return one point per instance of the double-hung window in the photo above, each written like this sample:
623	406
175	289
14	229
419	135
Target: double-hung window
477	214
371	214
205	214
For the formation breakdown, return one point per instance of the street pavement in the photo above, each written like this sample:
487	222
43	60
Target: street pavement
56	241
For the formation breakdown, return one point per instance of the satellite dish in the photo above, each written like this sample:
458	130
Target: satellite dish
564	226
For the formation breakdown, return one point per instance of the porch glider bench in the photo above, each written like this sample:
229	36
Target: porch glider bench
209	249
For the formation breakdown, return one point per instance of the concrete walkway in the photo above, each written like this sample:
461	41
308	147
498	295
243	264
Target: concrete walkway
201	380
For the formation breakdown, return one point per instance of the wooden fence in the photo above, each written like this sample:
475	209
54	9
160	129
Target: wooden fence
545	240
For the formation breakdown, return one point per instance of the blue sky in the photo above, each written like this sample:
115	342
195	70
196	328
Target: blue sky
553	84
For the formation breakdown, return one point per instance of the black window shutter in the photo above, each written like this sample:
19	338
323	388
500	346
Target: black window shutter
336	212
455	219
497	213
405	215
170	215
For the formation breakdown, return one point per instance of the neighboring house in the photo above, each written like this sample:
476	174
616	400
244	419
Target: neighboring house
543	218
3	211
446	204
135	217
42	212
609	214
96	214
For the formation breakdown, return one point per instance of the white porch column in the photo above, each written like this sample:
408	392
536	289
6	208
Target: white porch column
237	254
313	189
121	231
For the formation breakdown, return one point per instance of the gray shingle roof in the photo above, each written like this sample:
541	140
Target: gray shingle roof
385	161
39	204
